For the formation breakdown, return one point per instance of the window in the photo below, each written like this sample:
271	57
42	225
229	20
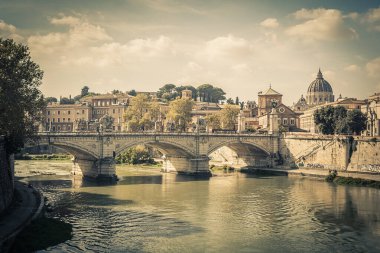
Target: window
58	128
59	120
68	119
292	121
82	111
59	112
113	111
53	128
53	120
68	112
63	120
48	112
285	121
69	128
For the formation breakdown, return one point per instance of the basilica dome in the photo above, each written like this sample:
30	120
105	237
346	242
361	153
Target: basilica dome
319	84
319	91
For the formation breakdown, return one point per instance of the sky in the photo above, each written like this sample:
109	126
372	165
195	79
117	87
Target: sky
240	46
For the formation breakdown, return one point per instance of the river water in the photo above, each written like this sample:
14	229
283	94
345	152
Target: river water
147	211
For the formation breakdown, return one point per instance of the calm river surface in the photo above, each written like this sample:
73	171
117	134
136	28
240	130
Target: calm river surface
151	212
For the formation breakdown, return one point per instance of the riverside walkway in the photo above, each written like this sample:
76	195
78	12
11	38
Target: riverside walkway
27	205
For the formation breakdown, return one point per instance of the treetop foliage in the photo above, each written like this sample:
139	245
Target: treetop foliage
338	120
206	92
21	102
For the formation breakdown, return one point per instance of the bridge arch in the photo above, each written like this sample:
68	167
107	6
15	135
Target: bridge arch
241	153
236	144
72	148
166	148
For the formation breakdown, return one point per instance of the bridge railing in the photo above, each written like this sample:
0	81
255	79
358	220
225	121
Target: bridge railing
86	133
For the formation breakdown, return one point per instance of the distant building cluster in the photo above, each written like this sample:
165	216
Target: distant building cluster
88	114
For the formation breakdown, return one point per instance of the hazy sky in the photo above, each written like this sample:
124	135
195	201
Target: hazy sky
240	46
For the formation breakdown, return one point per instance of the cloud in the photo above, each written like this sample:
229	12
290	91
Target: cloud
133	51
352	68
65	20
320	25
226	47
80	33
9	31
373	67
373	15
270	23
372	18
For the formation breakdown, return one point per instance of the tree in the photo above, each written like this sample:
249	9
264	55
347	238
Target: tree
213	121
230	101
209	93
167	92
135	155
180	113
324	119
132	93
116	92
356	121
228	116
66	101
21	102
84	91
137	114
337	120
51	100
237	101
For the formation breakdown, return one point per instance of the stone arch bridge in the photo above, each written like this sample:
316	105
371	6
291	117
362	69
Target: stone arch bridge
185	153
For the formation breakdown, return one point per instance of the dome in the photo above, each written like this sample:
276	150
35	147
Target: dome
319	84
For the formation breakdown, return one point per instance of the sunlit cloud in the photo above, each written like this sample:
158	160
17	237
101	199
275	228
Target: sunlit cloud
270	23
373	67
9	31
321	25
226	47
352	68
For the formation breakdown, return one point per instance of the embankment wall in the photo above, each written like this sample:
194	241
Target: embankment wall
6	177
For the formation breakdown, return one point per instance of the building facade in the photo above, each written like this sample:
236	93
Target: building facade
372	110
288	120
86	114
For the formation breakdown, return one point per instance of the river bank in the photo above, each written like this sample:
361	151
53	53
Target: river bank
370	179
27	205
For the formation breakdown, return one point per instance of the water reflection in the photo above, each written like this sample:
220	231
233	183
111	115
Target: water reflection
153	212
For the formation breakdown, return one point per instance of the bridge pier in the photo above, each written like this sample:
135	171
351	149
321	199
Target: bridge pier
187	166
102	170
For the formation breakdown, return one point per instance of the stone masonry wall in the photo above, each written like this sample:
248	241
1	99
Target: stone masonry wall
320	152
6	177
331	152
365	155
